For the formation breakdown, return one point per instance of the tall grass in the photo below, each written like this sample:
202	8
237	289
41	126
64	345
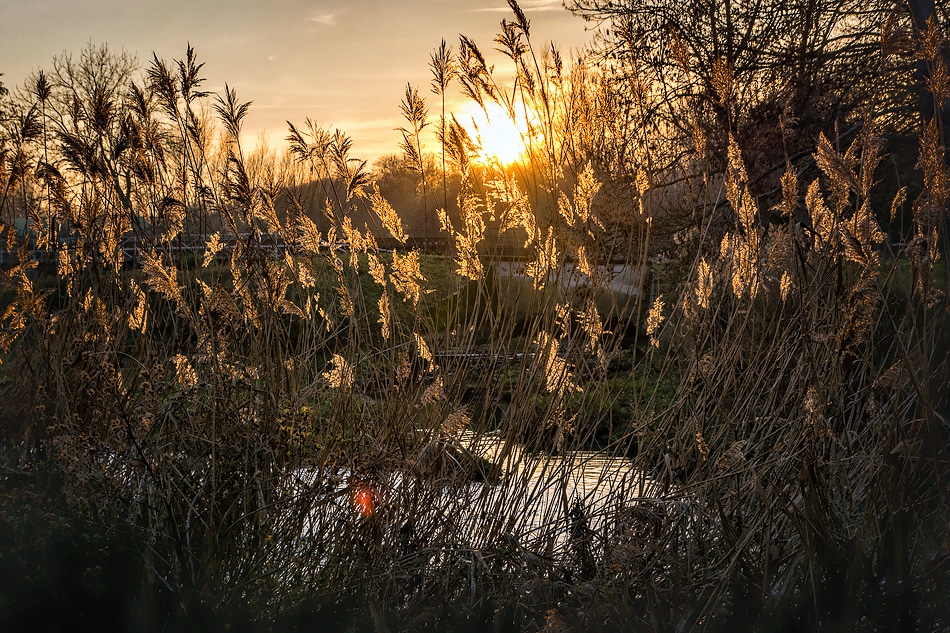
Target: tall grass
273	420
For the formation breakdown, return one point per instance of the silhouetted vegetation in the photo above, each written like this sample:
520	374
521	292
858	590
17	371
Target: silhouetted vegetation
683	365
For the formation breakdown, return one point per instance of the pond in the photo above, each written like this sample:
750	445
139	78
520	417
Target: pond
539	504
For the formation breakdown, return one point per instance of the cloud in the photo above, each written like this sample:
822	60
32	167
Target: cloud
329	19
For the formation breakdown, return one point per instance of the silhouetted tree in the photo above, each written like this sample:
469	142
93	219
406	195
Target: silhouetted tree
772	73
401	183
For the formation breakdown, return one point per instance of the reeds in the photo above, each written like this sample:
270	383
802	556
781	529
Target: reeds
275	410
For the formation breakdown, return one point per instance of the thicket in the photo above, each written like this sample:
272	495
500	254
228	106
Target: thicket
283	425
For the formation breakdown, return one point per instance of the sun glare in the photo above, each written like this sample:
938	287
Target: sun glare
499	138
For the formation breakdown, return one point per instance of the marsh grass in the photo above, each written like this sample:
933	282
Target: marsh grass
280	422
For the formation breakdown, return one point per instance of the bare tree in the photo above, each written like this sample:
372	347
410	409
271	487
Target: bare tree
741	67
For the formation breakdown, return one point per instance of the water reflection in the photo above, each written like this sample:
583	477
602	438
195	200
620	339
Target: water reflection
537	493
540	506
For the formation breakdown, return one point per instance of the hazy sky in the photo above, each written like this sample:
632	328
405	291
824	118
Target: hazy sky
345	63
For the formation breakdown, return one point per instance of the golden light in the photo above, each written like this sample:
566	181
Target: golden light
500	138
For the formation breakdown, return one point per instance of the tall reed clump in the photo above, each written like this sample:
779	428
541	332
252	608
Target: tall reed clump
276	412
804	441
264	413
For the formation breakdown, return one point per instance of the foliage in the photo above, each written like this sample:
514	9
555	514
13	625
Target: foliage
270	410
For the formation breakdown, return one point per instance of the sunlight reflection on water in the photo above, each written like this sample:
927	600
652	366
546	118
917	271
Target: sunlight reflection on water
538	490
530	504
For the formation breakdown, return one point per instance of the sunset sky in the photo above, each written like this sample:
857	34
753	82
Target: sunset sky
345	64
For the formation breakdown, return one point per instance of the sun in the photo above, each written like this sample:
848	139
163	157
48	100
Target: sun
500	138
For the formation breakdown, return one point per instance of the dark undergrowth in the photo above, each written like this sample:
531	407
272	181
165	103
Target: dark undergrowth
641	380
